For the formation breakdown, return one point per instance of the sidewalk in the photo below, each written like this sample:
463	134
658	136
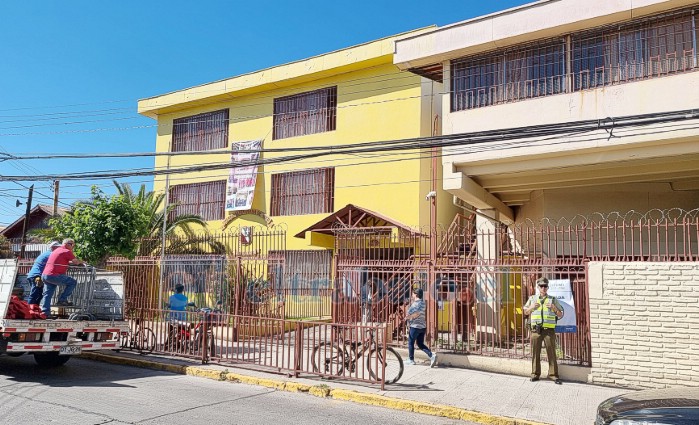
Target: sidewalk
477	396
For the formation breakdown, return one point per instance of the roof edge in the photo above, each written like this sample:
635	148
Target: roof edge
151	111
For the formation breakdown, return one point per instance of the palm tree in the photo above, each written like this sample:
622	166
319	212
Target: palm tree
180	230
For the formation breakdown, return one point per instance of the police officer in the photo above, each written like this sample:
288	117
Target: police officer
545	312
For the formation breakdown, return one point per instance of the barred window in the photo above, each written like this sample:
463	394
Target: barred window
305	113
203	199
301	271
647	49
522	73
201	132
303	192
643	48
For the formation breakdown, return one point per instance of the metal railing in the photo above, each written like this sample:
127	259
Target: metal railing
269	344
475	284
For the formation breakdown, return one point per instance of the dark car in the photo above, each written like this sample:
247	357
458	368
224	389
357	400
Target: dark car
671	406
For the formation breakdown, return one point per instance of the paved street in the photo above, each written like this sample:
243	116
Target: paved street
87	392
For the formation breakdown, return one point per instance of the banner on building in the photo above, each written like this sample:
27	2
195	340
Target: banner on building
240	190
561	290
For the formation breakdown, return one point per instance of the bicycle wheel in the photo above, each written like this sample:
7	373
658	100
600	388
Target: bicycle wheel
198	343
126	340
212	344
328	359
144	341
174	342
392	364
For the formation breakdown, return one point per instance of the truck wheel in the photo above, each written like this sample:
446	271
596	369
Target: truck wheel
50	359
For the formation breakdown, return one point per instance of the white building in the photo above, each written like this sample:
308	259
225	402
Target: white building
555	62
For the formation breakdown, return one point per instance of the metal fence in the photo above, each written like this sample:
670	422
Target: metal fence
245	271
476	279
349	351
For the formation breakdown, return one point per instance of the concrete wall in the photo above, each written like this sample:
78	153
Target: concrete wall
536	20
644	324
621	198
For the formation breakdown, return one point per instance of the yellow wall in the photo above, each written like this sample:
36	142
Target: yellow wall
376	103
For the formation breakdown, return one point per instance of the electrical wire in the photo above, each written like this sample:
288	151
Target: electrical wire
395	145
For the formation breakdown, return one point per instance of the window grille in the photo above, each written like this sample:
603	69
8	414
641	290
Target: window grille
305	113
509	75
303	192
301	270
647	49
200	132
643	48
203	199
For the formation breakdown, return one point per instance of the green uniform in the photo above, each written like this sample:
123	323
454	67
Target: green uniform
547	335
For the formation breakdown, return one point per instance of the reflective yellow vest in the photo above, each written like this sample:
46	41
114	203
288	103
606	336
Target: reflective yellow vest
543	314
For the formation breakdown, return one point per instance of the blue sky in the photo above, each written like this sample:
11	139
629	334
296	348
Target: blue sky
71	72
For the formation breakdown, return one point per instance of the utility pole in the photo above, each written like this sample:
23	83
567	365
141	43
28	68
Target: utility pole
56	184
26	220
166	202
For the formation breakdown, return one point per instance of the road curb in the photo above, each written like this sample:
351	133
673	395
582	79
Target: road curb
322	390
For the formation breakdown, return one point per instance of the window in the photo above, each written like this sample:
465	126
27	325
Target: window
303	272
303	192
202	199
645	48
305	113
515	74
200	132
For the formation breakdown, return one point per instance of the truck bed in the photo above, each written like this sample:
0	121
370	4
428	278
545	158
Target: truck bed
94	322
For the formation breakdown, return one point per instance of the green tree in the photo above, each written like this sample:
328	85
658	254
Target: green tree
185	233
129	224
5	249
102	227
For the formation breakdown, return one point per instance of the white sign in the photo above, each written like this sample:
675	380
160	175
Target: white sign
241	181
561	290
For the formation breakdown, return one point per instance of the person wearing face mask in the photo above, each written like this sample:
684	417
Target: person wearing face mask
544	311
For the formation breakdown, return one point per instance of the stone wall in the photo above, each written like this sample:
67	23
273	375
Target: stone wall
644	320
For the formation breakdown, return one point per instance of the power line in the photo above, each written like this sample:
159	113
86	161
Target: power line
199	90
403	144
608	125
234	119
394	76
425	155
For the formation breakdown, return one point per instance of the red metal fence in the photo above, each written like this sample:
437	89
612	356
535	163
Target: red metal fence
352	352
476	280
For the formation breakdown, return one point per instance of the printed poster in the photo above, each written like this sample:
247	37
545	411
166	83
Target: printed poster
240	189
561	289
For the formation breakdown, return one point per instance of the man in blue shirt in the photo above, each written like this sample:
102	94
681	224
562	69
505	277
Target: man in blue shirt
178	302
34	276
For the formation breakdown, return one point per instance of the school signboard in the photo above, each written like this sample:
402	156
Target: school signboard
562	291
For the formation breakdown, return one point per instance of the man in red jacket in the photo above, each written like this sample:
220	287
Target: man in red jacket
55	274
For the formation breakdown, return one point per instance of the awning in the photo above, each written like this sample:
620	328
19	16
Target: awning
353	217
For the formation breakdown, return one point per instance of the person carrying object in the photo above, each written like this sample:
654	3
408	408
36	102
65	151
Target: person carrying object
54	274
36	285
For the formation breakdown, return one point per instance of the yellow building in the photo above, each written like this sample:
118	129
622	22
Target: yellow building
351	96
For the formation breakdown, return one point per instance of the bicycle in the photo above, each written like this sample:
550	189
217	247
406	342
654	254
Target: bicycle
142	339
189	337
335	358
